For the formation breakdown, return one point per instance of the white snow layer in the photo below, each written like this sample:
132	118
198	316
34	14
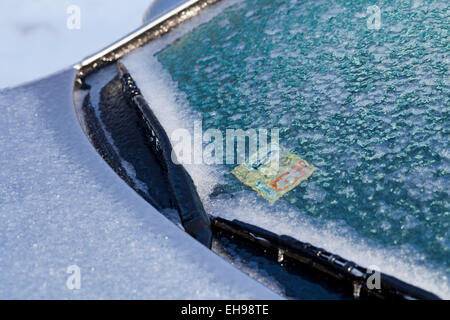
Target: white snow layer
61	205
37	42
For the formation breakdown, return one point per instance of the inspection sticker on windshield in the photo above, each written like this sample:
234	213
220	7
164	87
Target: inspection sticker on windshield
274	173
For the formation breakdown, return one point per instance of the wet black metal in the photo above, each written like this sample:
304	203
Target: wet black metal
105	149
132	146
333	266
184	193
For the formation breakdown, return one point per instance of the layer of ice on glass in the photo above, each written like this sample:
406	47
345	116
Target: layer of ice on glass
369	108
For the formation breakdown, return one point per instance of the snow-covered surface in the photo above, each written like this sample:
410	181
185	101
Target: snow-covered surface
36	41
61	205
173	111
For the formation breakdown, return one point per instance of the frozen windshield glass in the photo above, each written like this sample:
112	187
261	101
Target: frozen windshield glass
357	91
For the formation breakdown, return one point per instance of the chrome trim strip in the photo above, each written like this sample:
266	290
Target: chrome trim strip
141	36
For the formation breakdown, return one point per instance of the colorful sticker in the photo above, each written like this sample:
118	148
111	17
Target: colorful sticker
273	172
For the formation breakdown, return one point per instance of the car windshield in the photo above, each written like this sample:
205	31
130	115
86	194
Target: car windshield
356	92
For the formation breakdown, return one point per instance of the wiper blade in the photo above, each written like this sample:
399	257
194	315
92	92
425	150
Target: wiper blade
355	276
187	201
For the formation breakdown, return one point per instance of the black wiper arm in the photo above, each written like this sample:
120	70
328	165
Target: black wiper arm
187	201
